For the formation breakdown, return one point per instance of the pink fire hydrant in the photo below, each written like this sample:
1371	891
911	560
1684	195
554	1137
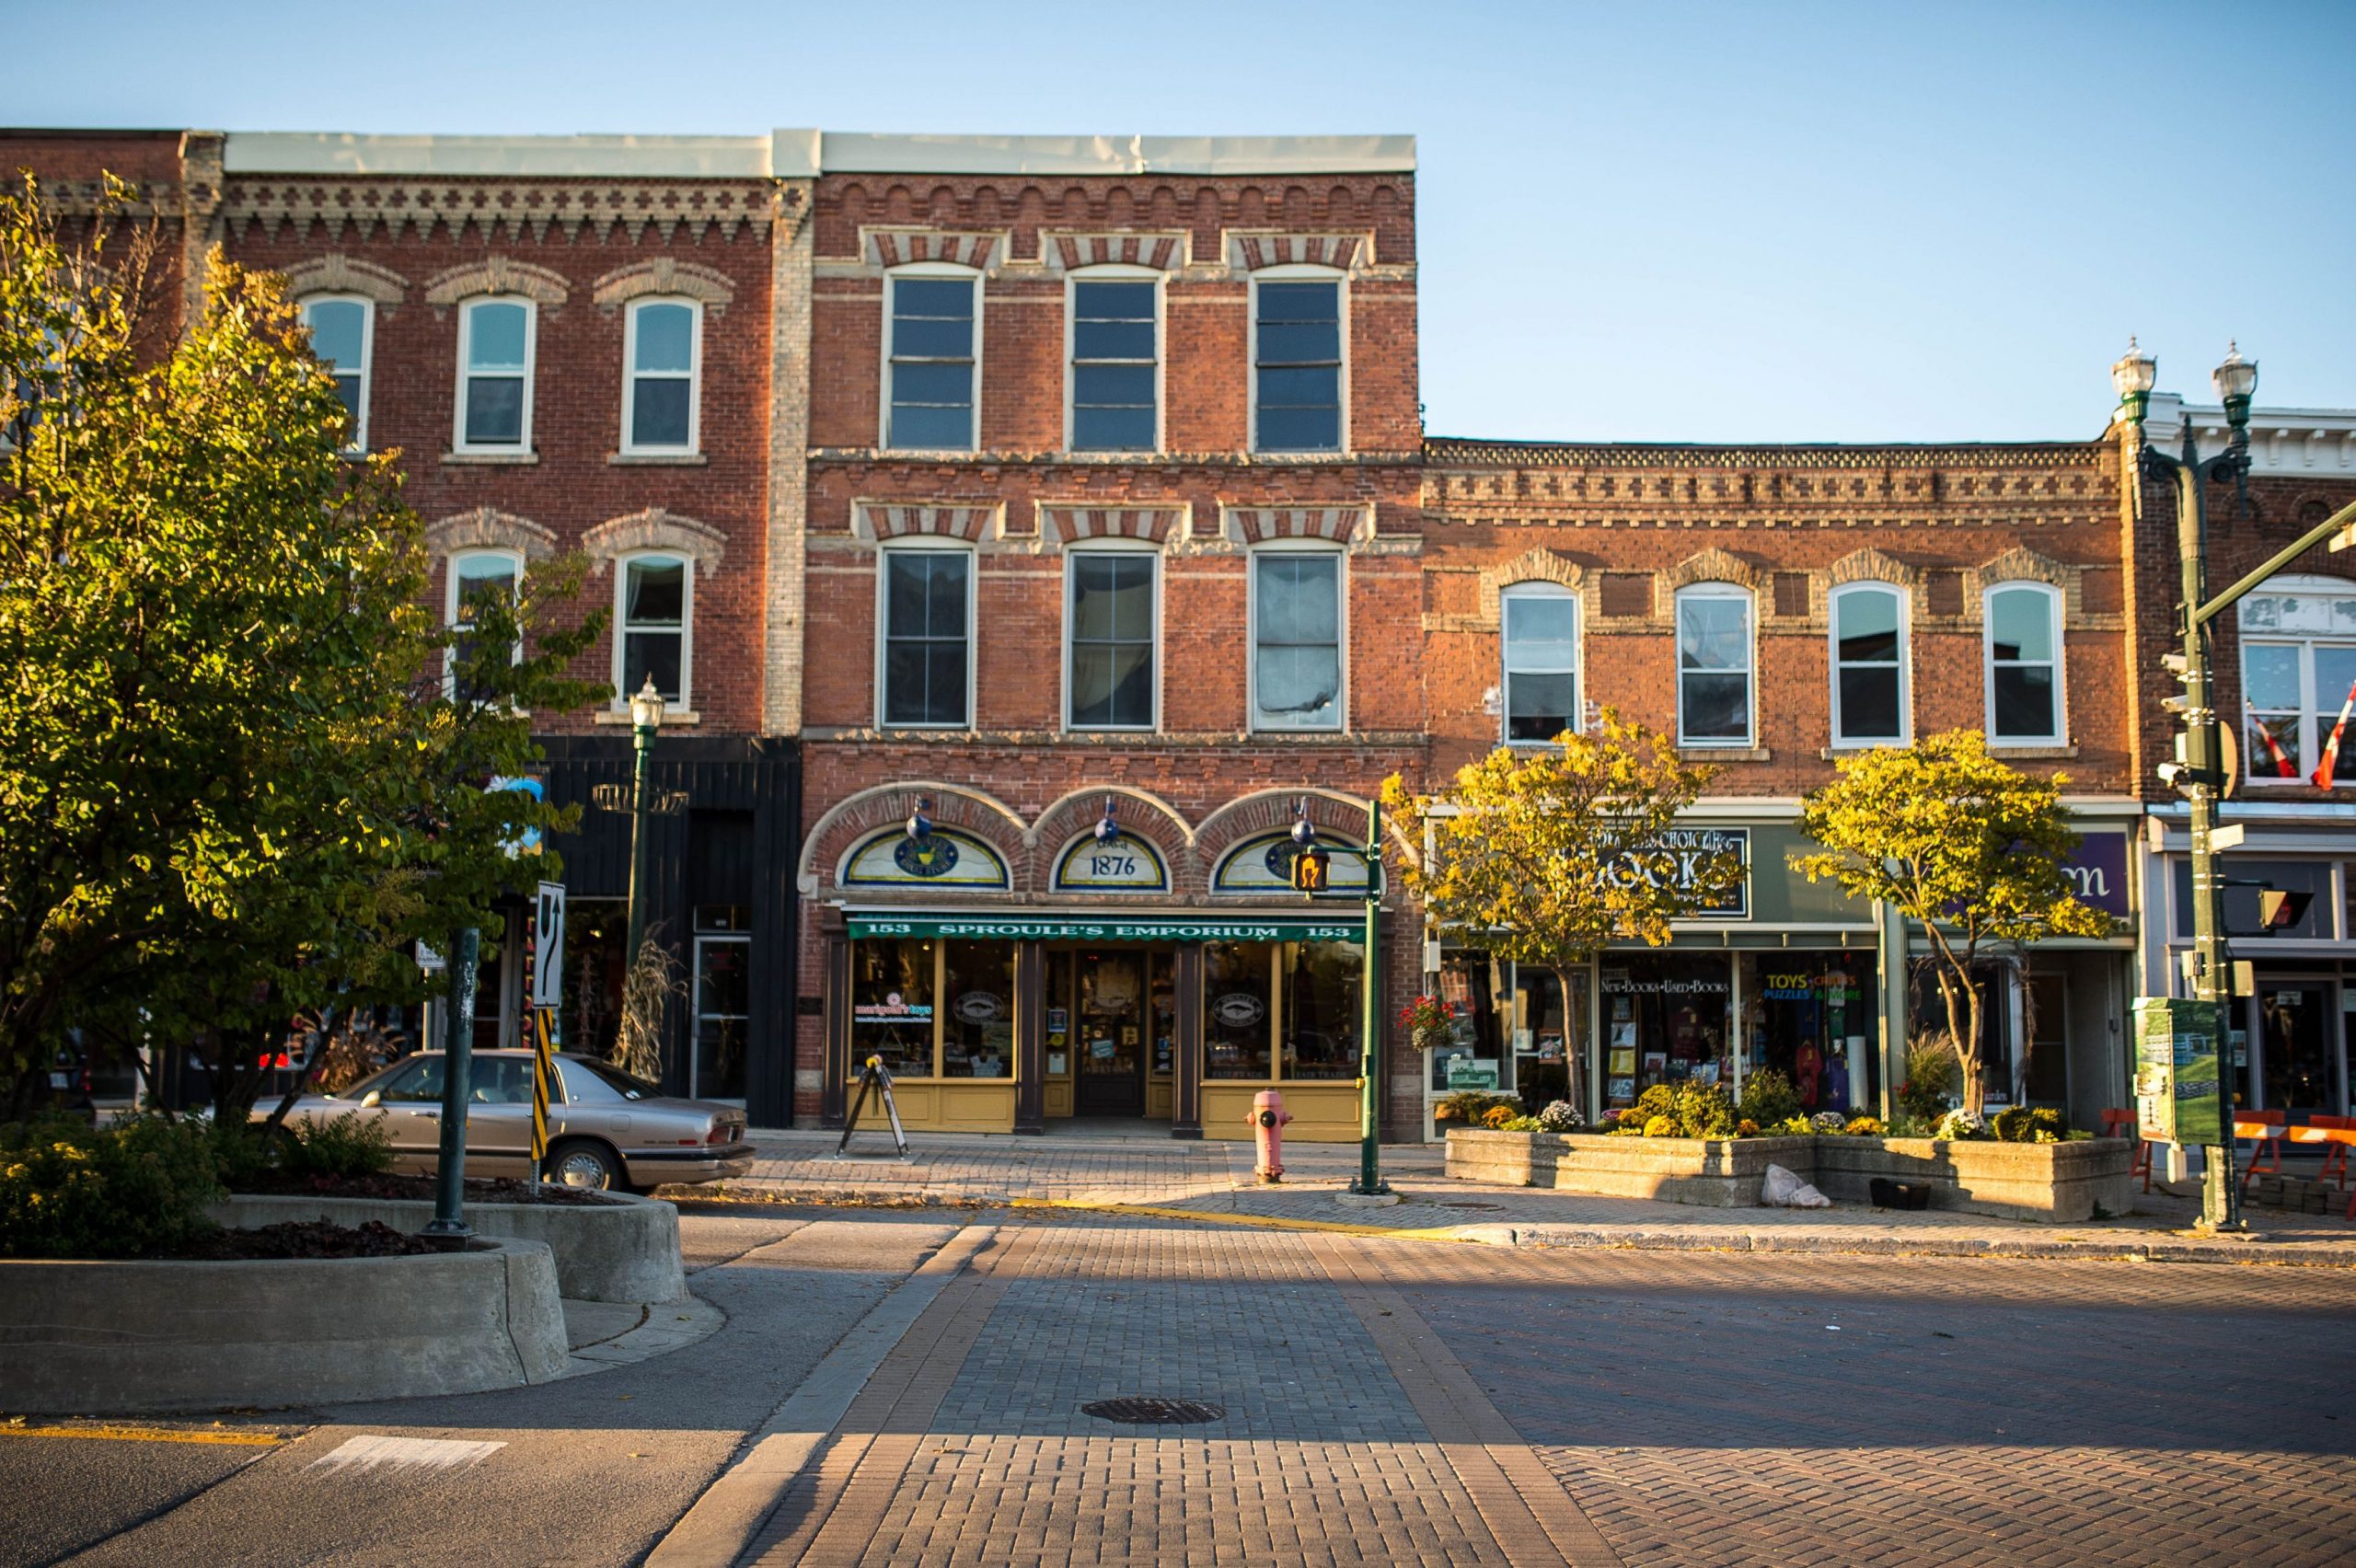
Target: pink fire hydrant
1268	1118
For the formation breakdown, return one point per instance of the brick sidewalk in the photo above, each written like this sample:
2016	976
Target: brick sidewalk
1214	1181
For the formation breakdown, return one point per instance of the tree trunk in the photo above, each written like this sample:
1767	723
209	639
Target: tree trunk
1975	1066
1572	1063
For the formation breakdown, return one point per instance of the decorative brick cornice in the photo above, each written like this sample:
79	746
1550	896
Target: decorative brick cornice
496	275
898	246
487	527
337	274
879	520
664	275
513	211
1065	524
655	529
1248	251
1164	250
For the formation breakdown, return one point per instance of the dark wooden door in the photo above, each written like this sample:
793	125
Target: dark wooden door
1109	1032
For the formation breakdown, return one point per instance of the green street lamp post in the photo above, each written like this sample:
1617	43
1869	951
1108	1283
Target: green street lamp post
645	719
449	1226
2200	775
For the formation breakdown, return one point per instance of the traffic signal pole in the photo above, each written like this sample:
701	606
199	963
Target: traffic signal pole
1370	1180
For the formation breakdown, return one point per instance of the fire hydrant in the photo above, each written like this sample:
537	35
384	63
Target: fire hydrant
1268	1118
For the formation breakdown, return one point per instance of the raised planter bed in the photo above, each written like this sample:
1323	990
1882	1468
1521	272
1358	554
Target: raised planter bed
624	1248
122	1337
2061	1182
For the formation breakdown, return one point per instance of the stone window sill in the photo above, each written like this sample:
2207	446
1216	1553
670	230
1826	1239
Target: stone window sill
671	716
657	459
2033	754
1725	753
492	459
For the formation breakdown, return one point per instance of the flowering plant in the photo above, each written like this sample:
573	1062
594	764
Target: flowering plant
1826	1122
1561	1116
1426	1019
1960	1123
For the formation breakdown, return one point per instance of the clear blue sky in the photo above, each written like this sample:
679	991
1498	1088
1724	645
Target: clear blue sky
1639	221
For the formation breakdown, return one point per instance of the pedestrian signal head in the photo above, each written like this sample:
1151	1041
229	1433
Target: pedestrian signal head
1312	871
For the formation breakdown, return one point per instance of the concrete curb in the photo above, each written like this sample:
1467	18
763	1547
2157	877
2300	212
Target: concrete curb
666	1326
828	1193
2154	1250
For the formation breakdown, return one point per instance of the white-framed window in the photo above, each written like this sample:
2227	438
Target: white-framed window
496	348
1299	364
925	639
933	358
1539	629
1113	390
343	331
654	626
663	378
1299	618
1716	689
474	576
2298	672
2024	654
1111	631
1869	665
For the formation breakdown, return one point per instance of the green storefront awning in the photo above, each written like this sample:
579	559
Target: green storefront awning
1109	928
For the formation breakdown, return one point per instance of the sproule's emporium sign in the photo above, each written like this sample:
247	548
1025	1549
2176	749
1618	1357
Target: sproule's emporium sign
956	928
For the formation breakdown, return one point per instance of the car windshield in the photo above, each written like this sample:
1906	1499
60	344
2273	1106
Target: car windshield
613	1077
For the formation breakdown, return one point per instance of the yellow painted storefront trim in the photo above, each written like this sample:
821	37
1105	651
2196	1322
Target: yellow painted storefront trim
1321	1113
1251	1221
945	1105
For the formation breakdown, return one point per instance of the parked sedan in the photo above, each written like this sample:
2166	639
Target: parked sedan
605	1128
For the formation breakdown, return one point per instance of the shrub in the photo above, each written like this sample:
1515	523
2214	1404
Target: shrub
1658	1101
1934	1073
2023	1124
1791	1127
1561	1116
1496	1116
1661	1127
1521	1124
1863	1127
1470	1106
354	1144
1745	1128
1959	1124
1768	1096
68	1190
1703	1110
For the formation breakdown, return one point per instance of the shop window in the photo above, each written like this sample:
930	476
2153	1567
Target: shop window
1927	1016
475	577
1297	639
2298	1036
2298	672
1472	989
928	640
1111	621
1297	374
2251	878
1239	1026
651	626
1713	665
342	336
1539	626
977	1009
1868	665
495	353
2049	1055
1115	371
1808	1016
722	1003
1323	984
2024	642
931	372
1293	1007
1548	1037
892	991
1668	1018
664	352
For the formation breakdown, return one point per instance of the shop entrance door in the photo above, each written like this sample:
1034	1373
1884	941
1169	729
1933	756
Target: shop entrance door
2299	1045
1109	1021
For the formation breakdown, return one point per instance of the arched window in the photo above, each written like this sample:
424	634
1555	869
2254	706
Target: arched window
475	576
1714	668
654	625
1539	628
496	346
1869	665
343	333
2024	651
662	353
933	358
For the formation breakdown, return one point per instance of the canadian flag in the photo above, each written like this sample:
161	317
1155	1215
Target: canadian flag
2321	777
2283	767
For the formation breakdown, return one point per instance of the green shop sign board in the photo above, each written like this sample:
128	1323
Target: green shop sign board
2177	1097
970	928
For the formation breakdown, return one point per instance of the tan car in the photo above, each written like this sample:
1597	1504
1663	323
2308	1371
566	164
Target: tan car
605	1128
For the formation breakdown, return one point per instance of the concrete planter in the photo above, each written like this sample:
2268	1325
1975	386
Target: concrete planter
118	1338
626	1248
2061	1182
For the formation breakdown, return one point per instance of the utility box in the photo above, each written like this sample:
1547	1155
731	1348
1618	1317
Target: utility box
2178	1083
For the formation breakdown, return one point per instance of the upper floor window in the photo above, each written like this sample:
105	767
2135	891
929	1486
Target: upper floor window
477	576
342	329
1868	665
1111	620
1115	363
928	637
653	619
1296	363
2298	673
1714	687
1297	639
934	358
2024	622
664	348
496	350
1541	627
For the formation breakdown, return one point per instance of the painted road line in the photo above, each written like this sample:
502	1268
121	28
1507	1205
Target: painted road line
1255	1221
405	1453
148	1434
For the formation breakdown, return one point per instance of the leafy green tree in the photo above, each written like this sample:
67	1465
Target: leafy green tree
1966	845
234	789
1545	857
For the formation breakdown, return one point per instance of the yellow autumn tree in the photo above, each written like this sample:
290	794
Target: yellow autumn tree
1545	857
1966	845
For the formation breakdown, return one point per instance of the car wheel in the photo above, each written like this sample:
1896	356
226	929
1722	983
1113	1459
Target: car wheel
579	1163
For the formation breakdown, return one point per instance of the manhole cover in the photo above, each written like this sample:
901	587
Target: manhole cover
1137	1411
